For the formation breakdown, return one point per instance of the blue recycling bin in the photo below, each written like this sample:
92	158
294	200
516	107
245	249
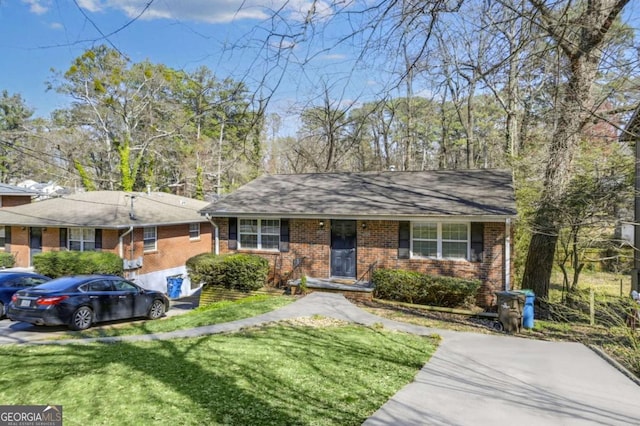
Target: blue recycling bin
174	285
527	311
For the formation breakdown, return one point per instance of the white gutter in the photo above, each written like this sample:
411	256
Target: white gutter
507	254
216	246
121	242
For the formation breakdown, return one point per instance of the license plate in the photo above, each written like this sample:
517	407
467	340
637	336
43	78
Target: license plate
25	303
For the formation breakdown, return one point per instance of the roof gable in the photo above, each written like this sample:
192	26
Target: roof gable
371	194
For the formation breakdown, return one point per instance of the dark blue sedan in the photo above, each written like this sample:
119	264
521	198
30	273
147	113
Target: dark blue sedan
12	281
80	301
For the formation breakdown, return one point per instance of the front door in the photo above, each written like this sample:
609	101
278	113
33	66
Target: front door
343	248
35	242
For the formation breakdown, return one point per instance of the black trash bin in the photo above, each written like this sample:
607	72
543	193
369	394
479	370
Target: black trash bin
174	286
510	306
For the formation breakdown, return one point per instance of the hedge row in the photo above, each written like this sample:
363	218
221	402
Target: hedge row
423	289
56	264
244	272
7	260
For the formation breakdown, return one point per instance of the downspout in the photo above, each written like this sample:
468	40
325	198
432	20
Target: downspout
216	235
121	242
507	254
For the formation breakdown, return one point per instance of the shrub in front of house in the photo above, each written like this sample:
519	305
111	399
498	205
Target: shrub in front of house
7	260
423	289
239	271
56	264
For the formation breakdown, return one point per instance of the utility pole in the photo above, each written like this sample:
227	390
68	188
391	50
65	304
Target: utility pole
220	156
631	135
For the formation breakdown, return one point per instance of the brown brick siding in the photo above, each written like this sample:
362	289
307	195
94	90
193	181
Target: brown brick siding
378	242
15	200
174	245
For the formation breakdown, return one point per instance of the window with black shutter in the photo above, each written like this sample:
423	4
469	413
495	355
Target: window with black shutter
477	242
404	240
63	238
233	233
98	238
284	235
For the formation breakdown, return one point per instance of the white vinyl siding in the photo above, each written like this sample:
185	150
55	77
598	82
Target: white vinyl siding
440	240
259	234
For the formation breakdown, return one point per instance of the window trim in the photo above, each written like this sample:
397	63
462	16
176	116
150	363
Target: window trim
440	240
197	237
82	240
145	239
259	234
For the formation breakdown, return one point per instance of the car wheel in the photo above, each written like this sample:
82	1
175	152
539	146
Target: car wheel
156	310
1	310
81	318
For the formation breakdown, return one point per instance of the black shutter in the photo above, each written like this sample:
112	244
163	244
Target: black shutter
284	235
233	233
7	236
63	238
477	242
98	238
404	240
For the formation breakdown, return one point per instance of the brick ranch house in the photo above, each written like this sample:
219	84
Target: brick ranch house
339	225
154	233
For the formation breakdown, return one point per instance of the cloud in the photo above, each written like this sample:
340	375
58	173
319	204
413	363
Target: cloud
56	26
90	5
38	7
211	11
334	56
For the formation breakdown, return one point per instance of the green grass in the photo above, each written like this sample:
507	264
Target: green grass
283	374
214	313
603	283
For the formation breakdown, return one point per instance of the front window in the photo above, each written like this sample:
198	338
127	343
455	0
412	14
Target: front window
194	231
440	240
82	239
260	234
150	238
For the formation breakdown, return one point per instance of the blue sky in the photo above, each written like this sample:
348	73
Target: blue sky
224	35
227	36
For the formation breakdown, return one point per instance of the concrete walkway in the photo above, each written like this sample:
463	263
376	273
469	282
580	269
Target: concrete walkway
474	379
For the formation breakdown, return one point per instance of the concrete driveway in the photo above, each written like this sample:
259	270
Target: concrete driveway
22	332
476	379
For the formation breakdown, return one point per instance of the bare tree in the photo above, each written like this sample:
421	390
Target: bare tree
579	30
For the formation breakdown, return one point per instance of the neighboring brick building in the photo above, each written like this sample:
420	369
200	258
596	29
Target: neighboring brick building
154	233
11	196
454	223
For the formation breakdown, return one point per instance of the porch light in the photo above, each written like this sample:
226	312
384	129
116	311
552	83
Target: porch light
321	224
364	225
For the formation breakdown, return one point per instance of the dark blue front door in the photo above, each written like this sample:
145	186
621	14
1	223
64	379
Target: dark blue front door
343	248
35	243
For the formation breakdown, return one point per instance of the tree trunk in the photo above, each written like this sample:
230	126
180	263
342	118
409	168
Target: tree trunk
583	52
539	263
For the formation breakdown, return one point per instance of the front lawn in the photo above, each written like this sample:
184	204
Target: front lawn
326	373
214	313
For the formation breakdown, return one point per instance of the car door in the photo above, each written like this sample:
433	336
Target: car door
103	299
129	304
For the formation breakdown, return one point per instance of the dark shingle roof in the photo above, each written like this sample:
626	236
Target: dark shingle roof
373	194
106	209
